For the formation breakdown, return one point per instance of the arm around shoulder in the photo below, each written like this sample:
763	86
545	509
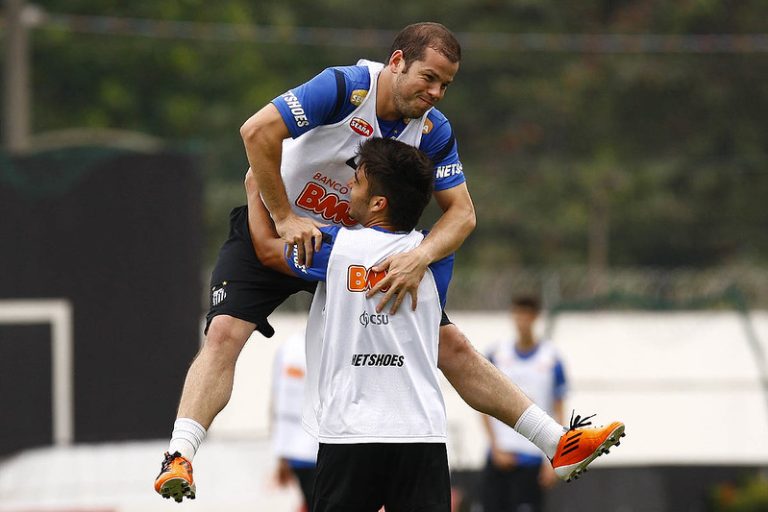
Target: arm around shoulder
454	225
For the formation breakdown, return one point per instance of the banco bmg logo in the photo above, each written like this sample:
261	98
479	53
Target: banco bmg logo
367	319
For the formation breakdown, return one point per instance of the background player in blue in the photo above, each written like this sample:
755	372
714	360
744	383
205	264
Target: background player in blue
516	473
302	181
383	404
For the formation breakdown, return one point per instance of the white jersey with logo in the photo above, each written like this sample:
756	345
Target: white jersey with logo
539	375
373	378
314	166
289	373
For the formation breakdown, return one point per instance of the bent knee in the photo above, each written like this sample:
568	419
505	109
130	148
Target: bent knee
227	333
454	345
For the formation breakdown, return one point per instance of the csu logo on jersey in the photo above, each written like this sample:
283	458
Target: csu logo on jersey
367	319
361	279
315	199
361	126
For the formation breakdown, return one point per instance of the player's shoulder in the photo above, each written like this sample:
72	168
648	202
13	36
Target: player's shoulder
437	116
351	85
437	137
437	125
358	75
548	350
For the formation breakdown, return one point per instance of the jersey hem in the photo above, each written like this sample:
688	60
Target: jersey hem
381	439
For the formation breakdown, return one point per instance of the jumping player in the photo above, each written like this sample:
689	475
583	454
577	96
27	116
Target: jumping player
298	147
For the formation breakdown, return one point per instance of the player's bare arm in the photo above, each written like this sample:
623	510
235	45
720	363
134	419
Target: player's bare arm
269	247
405	271
263	134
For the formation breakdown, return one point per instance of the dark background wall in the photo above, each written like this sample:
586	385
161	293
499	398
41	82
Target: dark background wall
630	489
118	235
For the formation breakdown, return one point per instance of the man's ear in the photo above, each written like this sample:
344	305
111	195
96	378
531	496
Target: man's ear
378	203
396	61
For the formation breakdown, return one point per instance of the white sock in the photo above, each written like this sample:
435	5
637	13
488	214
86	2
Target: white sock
186	437
539	428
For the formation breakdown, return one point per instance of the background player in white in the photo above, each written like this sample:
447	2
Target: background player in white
517	473
298	147
296	450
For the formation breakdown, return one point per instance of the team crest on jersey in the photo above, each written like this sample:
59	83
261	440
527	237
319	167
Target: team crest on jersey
428	125
357	96
361	126
218	294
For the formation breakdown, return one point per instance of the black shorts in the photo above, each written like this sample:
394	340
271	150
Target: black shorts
513	489
402	477
241	286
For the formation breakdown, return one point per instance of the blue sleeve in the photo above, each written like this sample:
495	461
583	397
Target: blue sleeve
439	143
561	386
442	270
327	98
319	268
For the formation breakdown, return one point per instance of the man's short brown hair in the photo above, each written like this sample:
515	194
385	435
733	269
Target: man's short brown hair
414	40
529	302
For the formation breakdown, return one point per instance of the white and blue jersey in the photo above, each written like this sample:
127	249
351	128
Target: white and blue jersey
289	371
328	117
540	375
371	377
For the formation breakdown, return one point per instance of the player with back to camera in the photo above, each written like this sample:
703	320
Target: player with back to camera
372	378
298	147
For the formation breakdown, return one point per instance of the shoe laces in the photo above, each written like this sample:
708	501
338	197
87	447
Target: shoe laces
578	421
169	458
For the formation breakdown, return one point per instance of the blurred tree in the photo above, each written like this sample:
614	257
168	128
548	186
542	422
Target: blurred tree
618	158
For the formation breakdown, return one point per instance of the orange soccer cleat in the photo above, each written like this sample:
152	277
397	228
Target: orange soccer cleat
175	478
580	445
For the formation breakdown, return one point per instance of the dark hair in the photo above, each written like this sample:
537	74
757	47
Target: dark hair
414	40
530	302
401	173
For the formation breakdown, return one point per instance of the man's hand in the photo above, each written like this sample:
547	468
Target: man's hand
404	274
283	473
302	233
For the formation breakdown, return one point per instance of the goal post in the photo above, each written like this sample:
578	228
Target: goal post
57	313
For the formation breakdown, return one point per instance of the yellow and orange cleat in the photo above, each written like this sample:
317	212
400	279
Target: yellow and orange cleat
580	445
175	478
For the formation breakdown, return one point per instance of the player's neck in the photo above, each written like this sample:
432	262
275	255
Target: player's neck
385	104
376	221
525	341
